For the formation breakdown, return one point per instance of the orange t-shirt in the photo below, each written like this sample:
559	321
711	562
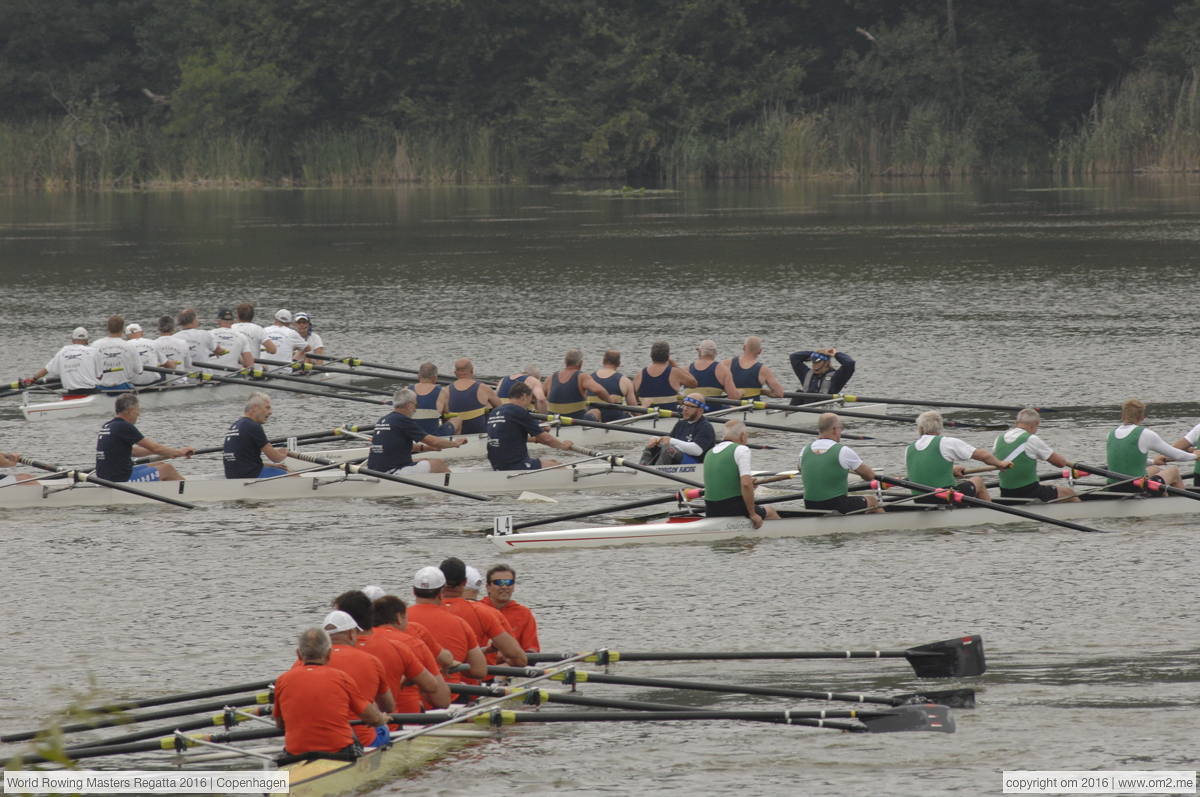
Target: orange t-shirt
422	633
369	678
399	663
450	631
314	701
524	627
409	700
485	621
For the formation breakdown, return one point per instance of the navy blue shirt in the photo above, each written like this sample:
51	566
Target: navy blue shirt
392	442
244	442
509	428
699	432
114	450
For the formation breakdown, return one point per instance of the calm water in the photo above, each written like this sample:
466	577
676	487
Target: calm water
1070	295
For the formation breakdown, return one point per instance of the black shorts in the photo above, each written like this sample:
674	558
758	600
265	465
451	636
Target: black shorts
845	504
1042	492
965	487
1130	487
726	507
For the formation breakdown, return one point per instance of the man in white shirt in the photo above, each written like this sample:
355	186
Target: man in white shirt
237	348
315	344
251	331
930	461
118	358
1021	446
824	464
78	365
728	480
286	340
1188	443
147	353
173	351
201	344
1129	445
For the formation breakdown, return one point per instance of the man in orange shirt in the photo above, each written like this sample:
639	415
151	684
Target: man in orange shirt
487	623
449	630
366	671
501	581
409	675
314	700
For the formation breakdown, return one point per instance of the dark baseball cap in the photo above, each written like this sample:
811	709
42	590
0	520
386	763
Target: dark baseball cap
224	314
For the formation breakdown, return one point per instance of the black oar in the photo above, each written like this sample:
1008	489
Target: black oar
764	405
248	383
652	412
914	402
350	467
1144	482
622	462
15	388
226	719
163	743
354	362
565	421
302	440
259	374
108	720
83	476
953	496
589	513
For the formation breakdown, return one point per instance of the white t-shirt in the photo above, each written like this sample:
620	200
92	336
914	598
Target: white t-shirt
1194	435
1150	441
252	332
78	366
741	456
117	353
172	348
846	457
952	449
234	343
200	342
1033	447
148	353
314	341
286	340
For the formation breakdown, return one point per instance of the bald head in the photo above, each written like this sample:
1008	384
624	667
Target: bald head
827	423
463	367
696	397
735	431
752	345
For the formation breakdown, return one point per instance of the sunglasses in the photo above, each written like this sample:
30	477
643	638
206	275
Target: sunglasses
504	582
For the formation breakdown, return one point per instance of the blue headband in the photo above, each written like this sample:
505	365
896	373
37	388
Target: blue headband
695	403
818	357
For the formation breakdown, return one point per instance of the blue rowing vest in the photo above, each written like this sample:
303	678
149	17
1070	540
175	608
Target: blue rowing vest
565	398
427	416
506	385
658	389
746	379
613	385
466	404
707	384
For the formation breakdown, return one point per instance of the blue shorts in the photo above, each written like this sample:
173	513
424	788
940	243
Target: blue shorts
267	472
529	463
445	430
124	387
144	473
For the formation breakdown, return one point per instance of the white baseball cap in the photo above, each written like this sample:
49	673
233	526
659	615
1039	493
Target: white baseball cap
373	592
474	579
79	334
429	578
133	329
284	316
339	621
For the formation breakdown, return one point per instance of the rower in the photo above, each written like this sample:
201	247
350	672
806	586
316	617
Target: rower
450	631
470	399
201	343
304	329
1188	443
691	438
432	402
287	342
565	390
389	615
488	624
314	701
238	352
246	442
147	354
712	378
474	585
749	375
77	364
728	480
501	582
531	376
511	428
1021	446
825	462
12	460
173	351
930	461
616	383
660	383
119	440
816	373
397	436
1129	444
365	670
251	331
118	358
409	675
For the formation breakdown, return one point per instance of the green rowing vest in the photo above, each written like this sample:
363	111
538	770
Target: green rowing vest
721	477
824	476
1124	456
1024	469
929	466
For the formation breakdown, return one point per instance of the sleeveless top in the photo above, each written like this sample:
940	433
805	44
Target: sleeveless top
466	404
722	479
1024	469
1124	456
707	380
427	416
506	385
658	389
824	476
565	398
613	385
746	379
929	467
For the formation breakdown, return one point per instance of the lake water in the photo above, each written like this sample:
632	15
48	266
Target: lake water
1073	295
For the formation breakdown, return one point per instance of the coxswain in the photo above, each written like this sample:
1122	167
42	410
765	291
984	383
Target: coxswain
201	344
511	427
750	376
174	352
304	328
470	399
246	442
824	464
433	402
712	378
389	614
501	582
238	352
287	342
450	631
531	376
397	436
147	353
816	373
729	481
77	364
365	670
930	461
409	675
12	460
252	332
616	383
119	440
118	358
691	438
491	630
660	383
1022	447
1130	443
314	702
566	390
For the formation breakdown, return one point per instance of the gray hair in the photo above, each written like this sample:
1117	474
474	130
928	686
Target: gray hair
707	348
186	316
166	325
314	644
734	429
126	402
574	357
533	370
257	398
929	422
1028	415
403	396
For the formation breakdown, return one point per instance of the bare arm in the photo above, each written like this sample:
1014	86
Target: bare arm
433	687
488	396
628	391
247	360
988	458
539	396
681	376
477	662
586	382
508	646
151	447
269	345
865	471
386	703
372	716
747	483
547	439
771	385
444	658
1057	460
274	454
725	377
435	443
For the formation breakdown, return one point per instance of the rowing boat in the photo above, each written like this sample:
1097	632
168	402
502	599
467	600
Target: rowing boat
695	528
212	488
